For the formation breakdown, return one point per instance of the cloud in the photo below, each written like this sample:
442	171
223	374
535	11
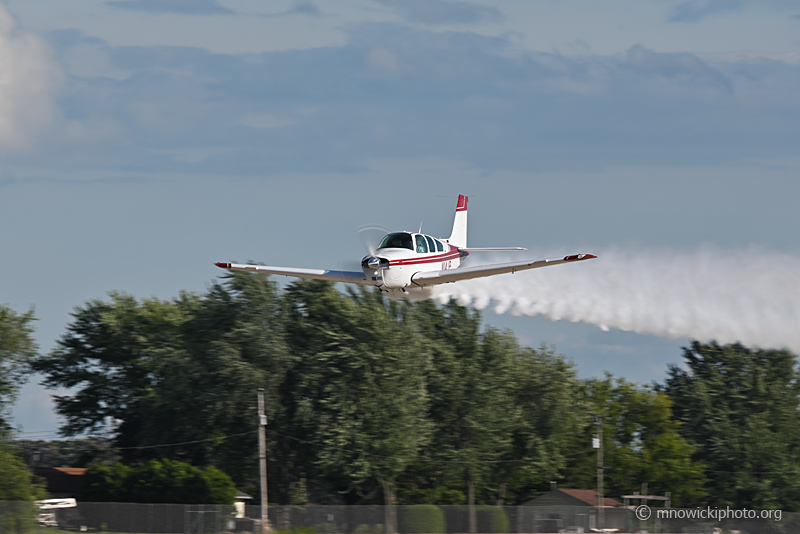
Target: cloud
299	7
392	91
29	81
676	66
443	11
181	7
303	8
697	10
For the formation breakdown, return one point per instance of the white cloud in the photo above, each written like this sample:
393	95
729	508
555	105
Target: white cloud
29	79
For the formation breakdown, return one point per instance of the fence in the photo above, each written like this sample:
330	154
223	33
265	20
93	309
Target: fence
19	518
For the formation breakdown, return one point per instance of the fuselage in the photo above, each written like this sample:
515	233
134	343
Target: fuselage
400	255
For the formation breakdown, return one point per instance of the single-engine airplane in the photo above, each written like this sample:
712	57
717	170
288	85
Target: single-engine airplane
409	263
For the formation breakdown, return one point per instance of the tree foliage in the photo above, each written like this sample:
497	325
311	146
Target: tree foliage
641	443
739	408
371	400
500	412
78	452
17	348
16	480
18	490
172	372
157	481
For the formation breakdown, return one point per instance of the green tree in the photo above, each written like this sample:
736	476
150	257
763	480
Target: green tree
547	413
111	356
17	491
471	398
739	408
157	481
17	348
105	483
641	443
16	481
66	452
232	344
182	372
360	389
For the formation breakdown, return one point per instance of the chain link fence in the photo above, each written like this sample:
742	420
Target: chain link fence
25	517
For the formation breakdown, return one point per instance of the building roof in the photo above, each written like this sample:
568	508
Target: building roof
71	470
61	480
572	497
589	497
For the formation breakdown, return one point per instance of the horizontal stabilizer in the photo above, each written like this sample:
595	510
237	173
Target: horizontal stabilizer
350	277
433	278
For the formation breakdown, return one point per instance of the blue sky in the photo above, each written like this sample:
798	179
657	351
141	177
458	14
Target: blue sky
143	140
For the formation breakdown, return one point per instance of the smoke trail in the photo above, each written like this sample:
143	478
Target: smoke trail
751	296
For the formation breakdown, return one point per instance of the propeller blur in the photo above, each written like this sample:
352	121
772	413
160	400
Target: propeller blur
409	263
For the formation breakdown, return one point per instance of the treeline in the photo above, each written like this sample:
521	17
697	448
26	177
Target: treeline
372	401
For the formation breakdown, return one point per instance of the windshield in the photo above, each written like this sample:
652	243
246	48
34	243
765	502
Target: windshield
397	240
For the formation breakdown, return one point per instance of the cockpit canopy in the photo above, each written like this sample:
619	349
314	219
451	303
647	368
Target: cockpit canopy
418	242
397	240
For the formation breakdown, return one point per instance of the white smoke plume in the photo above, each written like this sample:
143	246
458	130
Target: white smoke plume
751	296
29	79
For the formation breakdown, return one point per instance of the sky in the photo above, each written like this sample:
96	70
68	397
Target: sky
143	140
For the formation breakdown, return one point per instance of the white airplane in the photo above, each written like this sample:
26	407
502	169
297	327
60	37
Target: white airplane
409	263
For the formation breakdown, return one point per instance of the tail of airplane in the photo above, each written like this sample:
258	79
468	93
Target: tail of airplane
458	238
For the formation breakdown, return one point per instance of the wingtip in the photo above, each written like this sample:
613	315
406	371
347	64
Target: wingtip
223	265
578	257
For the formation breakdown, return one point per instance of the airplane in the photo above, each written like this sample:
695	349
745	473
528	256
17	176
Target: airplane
409	264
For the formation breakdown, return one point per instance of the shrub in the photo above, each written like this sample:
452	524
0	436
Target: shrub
369	529
165	481
491	519
421	518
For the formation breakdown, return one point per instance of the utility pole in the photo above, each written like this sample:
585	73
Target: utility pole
262	461
599	446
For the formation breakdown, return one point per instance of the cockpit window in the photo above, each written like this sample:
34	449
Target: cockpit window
397	240
431	246
439	245
422	246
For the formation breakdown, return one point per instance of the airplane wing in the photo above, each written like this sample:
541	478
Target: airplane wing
432	278
350	277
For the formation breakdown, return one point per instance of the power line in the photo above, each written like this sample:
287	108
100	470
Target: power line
426	460
219	438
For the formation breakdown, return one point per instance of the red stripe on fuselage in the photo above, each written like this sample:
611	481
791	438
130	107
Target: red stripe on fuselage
430	259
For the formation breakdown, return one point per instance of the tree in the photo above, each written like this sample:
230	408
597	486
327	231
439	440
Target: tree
111	355
471	397
181	373
157	481
232	344
739	408
17	491
641	443
548	413
17	348
359	386
16	481
68	452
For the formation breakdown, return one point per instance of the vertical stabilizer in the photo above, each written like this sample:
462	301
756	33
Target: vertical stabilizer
459	236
